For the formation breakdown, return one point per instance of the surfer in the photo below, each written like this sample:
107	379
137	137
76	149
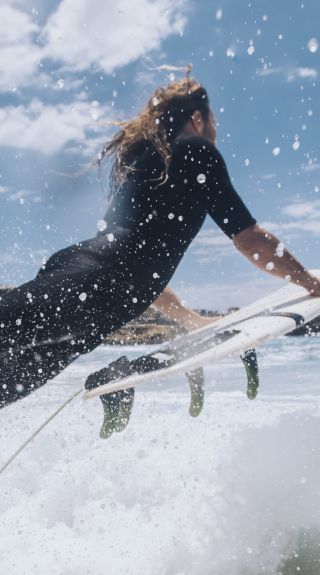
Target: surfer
167	175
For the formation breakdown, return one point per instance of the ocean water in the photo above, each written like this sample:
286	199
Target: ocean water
235	491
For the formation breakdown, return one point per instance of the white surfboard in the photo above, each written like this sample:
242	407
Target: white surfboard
270	317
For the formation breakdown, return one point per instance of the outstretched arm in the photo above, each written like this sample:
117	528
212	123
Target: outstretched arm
171	306
267	253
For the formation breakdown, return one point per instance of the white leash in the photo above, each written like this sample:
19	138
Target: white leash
46	422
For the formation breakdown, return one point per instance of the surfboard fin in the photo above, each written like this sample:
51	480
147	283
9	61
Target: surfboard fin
196	382
117	407
250	362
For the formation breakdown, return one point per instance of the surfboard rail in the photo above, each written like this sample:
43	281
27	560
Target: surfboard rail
272	316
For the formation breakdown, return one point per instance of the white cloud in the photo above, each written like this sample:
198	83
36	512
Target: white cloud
222	295
269	71
85	32
24	195
311	167
47	129
19	65
312	226
21	196
16	26
80	34
19	57
77	35
290	73
309	209
211	245
304	219
210	237
268	176
297	73
294	229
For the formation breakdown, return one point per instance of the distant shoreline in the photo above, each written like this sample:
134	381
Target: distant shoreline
154	328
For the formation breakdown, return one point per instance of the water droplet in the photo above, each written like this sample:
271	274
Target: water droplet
296	145
313	45
219	14
247	162
280	250
170	216
155	275
134	299
256	257
251	50
155	101
270	266
110	237
61	83
83	296
101	225
201	178
276	151
230	53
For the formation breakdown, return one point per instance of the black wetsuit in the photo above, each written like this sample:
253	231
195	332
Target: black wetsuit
90	289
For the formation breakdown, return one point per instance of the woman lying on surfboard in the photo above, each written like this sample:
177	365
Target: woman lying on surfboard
167	175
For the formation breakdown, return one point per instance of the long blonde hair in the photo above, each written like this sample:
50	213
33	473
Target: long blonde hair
160	121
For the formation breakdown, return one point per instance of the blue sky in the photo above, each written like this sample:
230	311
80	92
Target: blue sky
69	66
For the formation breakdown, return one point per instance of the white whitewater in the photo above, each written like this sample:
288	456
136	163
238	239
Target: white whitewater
234	492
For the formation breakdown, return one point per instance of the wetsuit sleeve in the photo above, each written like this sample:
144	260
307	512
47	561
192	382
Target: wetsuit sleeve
216	192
